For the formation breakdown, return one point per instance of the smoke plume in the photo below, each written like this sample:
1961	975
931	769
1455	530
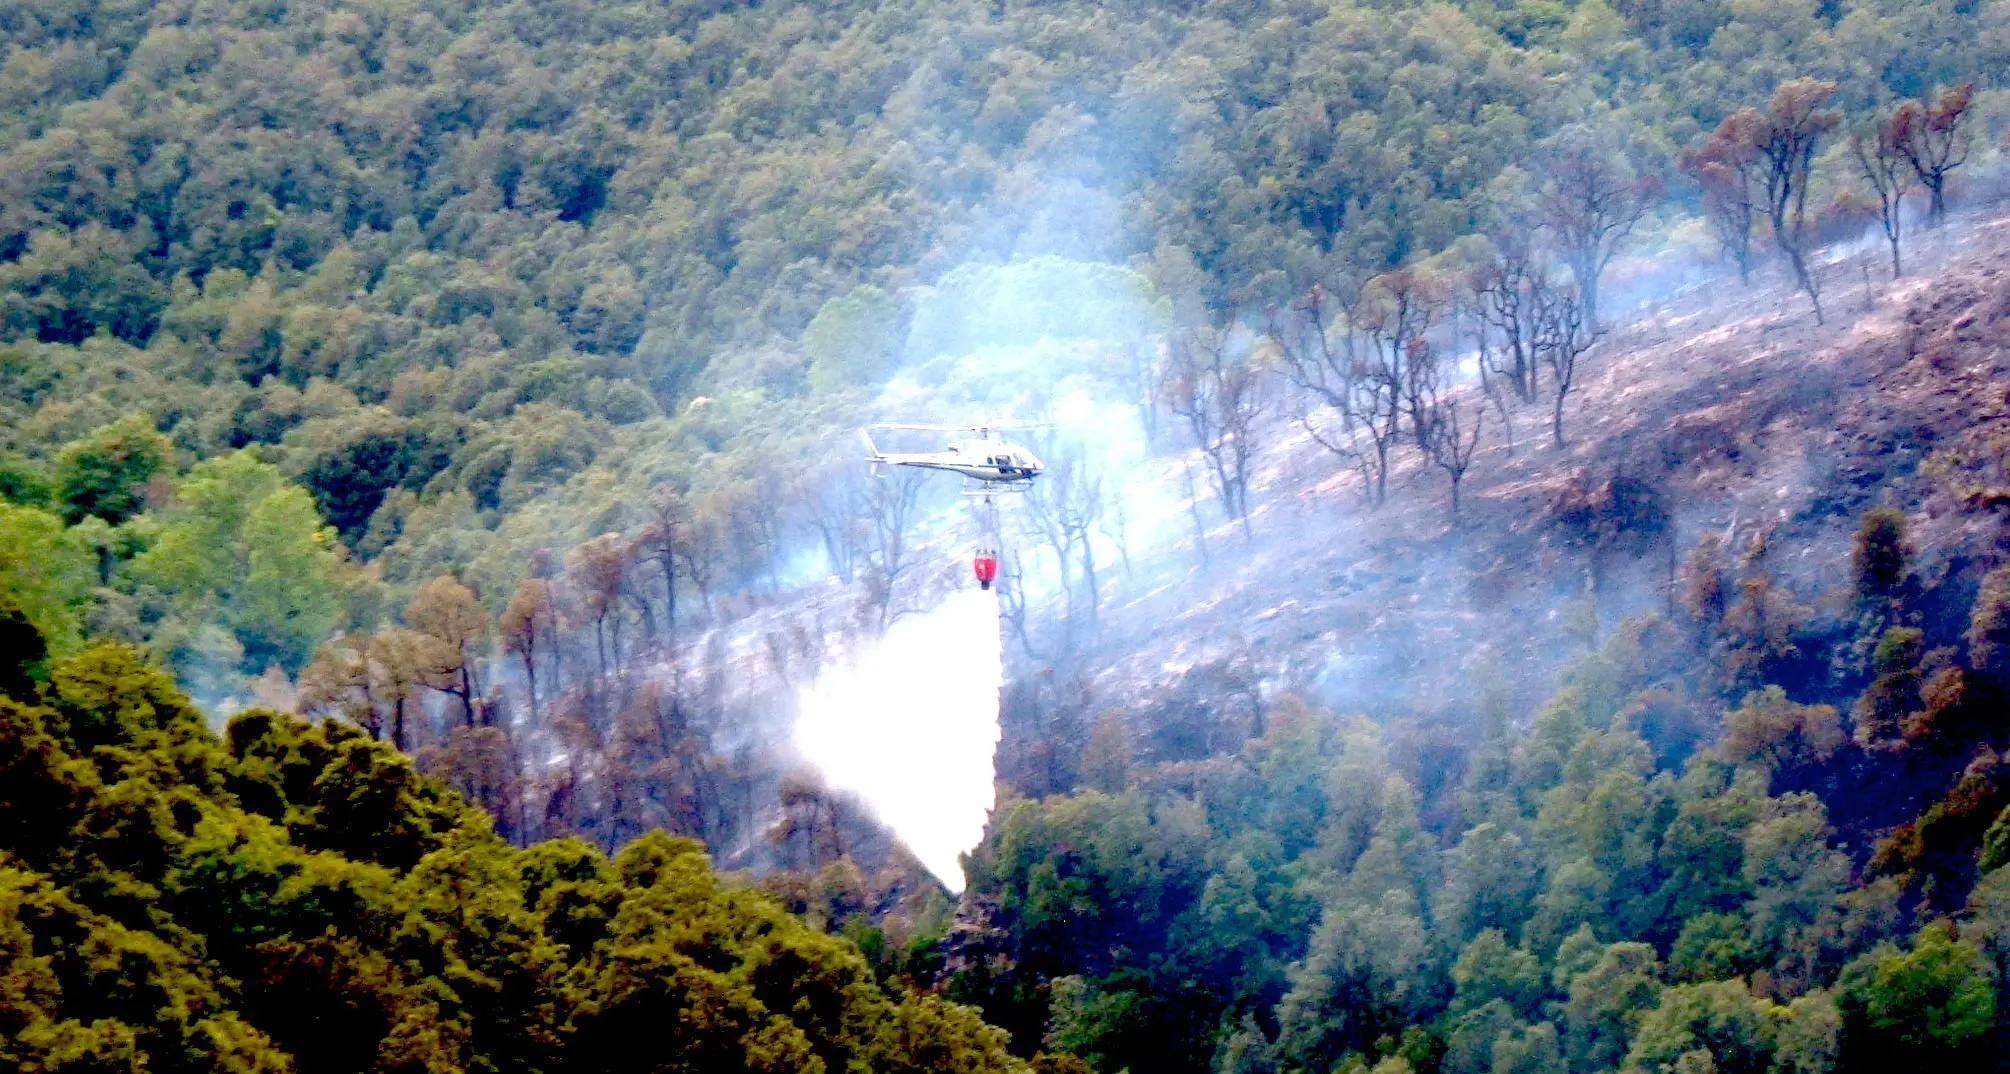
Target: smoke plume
910	725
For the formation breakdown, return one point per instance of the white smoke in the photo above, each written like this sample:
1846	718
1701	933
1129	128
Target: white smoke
910	725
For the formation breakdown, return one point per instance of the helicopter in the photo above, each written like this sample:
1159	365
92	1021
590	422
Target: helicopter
988	466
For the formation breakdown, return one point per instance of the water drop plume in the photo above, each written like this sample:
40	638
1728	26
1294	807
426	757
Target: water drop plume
910	724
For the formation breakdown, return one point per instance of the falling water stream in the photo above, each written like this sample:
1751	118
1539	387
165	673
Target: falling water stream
910	725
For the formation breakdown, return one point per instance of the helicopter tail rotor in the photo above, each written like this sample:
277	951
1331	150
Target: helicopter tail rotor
874	458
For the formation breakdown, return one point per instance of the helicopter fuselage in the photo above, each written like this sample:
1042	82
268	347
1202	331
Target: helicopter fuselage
992	465
996	465
995	470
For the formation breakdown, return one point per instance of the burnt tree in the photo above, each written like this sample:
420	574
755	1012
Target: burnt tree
1881	160
1562	336
1592	201
1211	384
1455	440
1935	141
1731	171
1794	124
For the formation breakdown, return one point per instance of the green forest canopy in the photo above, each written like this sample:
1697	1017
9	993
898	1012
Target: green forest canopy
304	306
294	897
462	272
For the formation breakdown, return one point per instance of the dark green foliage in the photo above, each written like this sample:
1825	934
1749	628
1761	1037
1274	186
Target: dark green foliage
105	474
68	286
295	897
1996	844
1933	1005
349	482
24	482
1712	947
1989	628
22	652
483	279
1881	554
1590	913
1883	710
292	228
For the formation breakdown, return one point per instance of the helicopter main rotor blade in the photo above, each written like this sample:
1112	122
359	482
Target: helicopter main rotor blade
1004	427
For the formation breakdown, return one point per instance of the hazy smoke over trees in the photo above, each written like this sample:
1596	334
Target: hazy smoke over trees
483	382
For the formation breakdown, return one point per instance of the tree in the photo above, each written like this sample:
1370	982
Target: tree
24	482
890	504
659	542
290	598
1506	287
1770	731
106	474
1316	338
1065	506
1454	438
1809	1036
339	681
1989	627
836	509
700	551
45	573
1732	172
1719	1018
1789	135
402	663
454	624
1796	878
599	569
1491	969
1605	1002
1934	140
524	623
1934	1003
1108	757
1881	160
1211	382
1490	882
1562	336
1360	980
1590	203
1883	712
1392	375
1399	309
350	481
812	817
242	546
854	340
1376	404
1880	556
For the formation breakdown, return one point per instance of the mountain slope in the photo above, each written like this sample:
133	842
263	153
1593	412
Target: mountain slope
295	897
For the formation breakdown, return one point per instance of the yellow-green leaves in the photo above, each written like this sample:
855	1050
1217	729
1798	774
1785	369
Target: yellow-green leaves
246	548
45	572
105	474
299	899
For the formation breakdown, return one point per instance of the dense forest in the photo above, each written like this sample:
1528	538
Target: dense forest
412	416
294	897
1674	866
